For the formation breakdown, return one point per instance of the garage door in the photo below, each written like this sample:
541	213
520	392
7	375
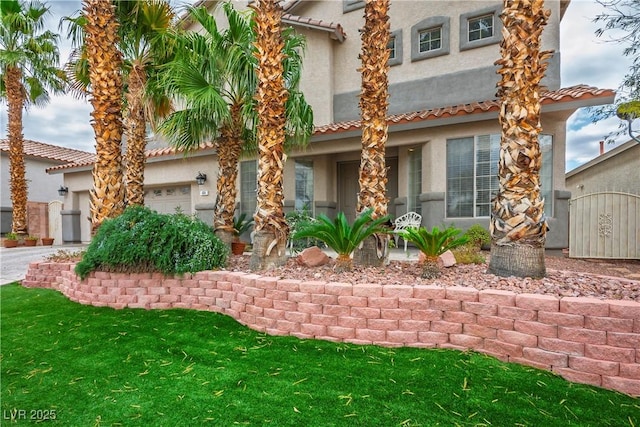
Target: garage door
169	200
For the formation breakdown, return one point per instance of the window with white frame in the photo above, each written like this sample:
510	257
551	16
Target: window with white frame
248	186
430	38
481	27
395	48
304	186
415	180
472	174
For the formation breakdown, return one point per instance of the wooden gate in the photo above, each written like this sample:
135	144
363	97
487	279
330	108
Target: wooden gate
605	225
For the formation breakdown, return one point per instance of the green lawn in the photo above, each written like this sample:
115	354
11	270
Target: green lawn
102	367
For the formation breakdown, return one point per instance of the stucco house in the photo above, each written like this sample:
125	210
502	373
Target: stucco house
443	120
42	187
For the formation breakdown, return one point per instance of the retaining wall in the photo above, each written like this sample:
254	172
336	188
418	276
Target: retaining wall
585	340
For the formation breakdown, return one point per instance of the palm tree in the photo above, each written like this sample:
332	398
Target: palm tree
144	43
518	226
105	67
28	70
373	109
270	225
218	96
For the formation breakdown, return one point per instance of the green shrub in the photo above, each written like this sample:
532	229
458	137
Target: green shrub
468	254
143	240
432	244
478	235
297	220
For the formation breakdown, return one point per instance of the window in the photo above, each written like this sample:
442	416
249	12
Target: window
395	48
248	187
350	5
415	180
472	175
480	28
304	186
430	38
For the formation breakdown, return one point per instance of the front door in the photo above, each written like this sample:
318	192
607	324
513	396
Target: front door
349	186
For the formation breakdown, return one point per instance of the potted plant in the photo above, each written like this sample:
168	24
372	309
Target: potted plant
47	241
240	225
31	240
10	240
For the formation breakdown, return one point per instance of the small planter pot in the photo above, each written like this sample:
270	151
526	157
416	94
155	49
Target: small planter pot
47	241
237	248
30	242
10	243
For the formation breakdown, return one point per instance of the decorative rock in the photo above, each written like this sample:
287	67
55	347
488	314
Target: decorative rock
312	257
447	260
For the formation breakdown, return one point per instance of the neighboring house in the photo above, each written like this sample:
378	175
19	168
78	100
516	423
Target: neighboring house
42	188
605	205
444	135
615	170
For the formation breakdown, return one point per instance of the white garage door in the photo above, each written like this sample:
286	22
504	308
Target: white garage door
169	200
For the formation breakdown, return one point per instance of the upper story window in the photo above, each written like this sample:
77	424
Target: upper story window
350	5
430	38
395	48
480	28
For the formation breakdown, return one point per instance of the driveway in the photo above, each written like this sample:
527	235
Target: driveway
15	261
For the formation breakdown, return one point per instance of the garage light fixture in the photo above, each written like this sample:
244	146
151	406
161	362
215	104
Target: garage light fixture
62	191
201	178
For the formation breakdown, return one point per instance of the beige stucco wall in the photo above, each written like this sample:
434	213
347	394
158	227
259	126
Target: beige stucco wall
616	170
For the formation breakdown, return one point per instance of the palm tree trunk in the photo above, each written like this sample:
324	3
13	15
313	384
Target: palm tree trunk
518	226
270	225
135	128
373	108
15	101
229	148
107	195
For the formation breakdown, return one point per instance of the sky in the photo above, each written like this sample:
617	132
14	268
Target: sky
586	59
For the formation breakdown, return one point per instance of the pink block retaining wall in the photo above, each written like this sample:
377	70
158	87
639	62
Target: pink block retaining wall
584	340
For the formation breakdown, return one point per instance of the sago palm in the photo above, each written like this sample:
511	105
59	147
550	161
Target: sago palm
373	109
342	237
28	71
433	244
518	226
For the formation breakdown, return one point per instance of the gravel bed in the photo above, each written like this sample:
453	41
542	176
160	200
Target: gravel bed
565	277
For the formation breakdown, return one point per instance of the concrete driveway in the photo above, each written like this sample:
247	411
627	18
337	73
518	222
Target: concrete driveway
15	261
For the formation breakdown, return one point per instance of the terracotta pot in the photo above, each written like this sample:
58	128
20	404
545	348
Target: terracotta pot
47	241
30	242
237	248
10	243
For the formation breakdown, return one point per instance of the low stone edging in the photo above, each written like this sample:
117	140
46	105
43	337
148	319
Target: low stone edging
585	340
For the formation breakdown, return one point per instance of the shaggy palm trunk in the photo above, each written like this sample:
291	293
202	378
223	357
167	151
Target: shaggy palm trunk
229	148
373	109
136	132
101	40
518	225
270	225
15	101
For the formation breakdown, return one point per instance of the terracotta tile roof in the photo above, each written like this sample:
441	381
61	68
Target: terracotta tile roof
50	152
336	30
573	93
156	152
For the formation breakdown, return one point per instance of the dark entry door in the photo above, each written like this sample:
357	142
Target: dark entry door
348	186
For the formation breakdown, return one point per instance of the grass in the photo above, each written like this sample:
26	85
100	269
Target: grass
104	367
